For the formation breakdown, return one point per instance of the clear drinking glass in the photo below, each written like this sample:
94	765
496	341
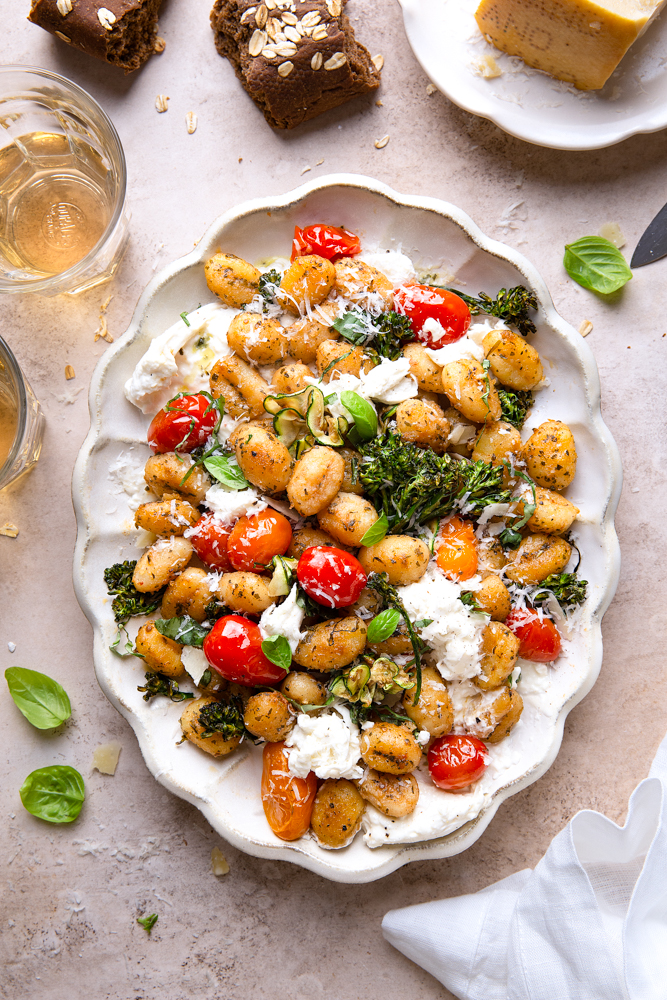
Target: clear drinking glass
21	420
63	219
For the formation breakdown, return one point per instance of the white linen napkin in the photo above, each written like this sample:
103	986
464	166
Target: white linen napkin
589	923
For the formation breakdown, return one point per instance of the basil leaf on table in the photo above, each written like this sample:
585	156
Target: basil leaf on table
277	649
226	472
377	531
54	793
383	625
42	700
364	416
596	264
149	922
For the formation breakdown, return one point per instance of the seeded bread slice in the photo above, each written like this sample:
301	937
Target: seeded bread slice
122	32
296	58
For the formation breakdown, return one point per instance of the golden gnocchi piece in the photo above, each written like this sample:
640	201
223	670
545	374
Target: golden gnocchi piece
355	280
245	592
161	654
165	476
490	555
232	279
423	423
304	689
337	813
509	719
433	711
538	557
195	731
427	373
331	645
554	513
393	795
188	594
514	362
389	748
305	336
550	455
404	559
306	538
291	378
166	517
262	457
256	338
269	716
500	649
471	391
335	357
495	442
235	404
348	517
493	597
161	562
305	283
251	387
395	645
352	461
316	479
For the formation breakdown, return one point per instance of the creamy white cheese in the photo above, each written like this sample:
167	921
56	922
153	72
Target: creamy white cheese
326	744
180	359
393	264
284	619
468	347
229	505
126	475
195	662
389	382
454	634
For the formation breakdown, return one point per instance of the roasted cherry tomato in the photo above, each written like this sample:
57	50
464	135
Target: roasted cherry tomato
331	576
540	639
422	302
325	241
288	801
209	540
456	549
233	647
456	761
255	540
183	424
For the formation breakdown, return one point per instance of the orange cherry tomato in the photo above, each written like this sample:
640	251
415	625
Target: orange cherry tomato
255	540
288	801
456	552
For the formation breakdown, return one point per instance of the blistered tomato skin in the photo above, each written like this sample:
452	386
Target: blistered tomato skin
255	540
233	647
540	639
325	241
287	801
209	540
455	761
422	302
183	424
331	576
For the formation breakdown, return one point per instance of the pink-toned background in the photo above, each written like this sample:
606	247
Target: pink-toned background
72	894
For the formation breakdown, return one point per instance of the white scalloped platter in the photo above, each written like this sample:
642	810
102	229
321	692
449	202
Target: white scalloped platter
529	104
438	237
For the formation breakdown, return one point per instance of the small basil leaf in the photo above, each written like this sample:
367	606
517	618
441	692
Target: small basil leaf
596	264
149	922
277	649
377	531
364	416
226	472
54	793
383	625
41	699
423	622
352	327
184	630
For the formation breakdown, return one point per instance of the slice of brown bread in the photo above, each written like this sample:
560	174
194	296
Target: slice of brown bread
122	32
296	58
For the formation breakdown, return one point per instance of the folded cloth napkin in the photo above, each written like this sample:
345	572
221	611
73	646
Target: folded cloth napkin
589	923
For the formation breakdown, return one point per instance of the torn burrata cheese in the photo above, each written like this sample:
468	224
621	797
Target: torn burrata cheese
284	619
327	744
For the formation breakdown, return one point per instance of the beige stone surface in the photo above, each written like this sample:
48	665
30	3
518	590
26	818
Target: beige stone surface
72	894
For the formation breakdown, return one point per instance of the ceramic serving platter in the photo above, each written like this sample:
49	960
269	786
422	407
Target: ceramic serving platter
438	237
527	103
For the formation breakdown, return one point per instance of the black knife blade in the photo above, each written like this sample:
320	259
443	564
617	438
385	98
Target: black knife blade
653	243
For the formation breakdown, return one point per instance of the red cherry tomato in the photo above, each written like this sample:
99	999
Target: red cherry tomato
288	801
183	424
233	647
421	302
540	639
456	761
331	576
209	540
325	241
255	540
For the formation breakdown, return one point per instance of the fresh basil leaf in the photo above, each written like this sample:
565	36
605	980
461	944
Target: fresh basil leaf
423	622
149	922
383	625
277	649
184	630
596	264
226	472
41	699
54	793
352	327
377	531
364	416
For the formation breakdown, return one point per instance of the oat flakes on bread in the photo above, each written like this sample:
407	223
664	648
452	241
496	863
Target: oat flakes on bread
296	58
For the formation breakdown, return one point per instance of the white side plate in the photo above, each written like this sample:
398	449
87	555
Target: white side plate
437	236
531	105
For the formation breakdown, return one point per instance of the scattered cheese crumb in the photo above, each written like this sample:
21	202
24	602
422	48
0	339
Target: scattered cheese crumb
102	331
320	162
219	864
162	103
431	89
105	757
586	328
381	143
159	45
69	372
11	646
379	104
191	122
487	67
612	231
378	62
10	530
305	170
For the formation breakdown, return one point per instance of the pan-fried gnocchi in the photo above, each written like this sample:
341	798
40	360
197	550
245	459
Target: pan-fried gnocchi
354	545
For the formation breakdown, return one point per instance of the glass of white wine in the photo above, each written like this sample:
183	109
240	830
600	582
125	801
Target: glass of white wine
63	219
21	420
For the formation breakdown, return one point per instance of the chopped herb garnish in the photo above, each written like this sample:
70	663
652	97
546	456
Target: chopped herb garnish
130	601
184	317
158	684
184	630
567	588
149	922
269	283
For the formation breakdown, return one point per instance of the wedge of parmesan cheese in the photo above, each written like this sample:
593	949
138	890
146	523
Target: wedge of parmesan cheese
574	40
